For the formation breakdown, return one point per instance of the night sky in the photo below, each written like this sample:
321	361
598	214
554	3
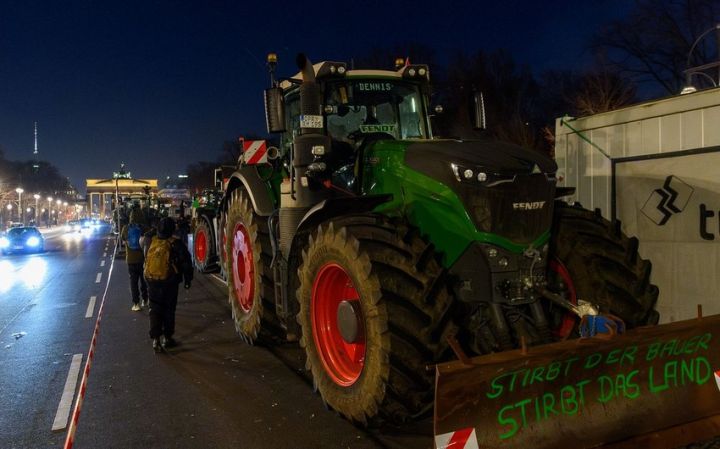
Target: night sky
161	84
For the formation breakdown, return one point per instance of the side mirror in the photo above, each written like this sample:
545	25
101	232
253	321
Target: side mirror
477	111
274	110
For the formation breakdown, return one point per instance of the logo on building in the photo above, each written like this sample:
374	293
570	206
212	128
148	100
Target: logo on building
671	199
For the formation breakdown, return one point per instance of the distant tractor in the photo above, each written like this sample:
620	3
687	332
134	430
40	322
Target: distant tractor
372	243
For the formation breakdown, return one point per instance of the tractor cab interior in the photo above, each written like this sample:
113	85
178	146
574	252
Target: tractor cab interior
362	111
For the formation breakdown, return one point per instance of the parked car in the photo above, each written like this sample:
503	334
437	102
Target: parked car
22	239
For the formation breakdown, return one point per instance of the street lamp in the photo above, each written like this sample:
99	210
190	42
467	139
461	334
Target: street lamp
37	199
19	191
701	69
49	200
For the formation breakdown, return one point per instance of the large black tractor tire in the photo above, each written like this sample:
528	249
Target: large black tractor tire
396	314
222	245
603	264
203	246
248	254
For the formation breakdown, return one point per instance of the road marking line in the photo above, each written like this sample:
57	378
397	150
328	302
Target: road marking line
104	254
63	411
97	278
102	263
90	307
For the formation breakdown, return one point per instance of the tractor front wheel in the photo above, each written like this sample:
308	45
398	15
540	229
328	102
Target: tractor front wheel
374	312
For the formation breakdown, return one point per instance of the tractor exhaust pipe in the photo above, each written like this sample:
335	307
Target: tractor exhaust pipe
310	96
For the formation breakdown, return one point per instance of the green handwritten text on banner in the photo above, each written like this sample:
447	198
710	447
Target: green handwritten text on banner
637	371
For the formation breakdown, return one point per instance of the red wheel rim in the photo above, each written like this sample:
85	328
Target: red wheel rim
342	361
569	319
243	268
201	246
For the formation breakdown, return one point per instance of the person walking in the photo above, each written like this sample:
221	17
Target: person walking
135	259
167	264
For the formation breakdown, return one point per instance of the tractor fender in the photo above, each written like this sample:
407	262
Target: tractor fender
247	178
336	207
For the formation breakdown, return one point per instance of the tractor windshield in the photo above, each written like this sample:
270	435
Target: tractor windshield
358	107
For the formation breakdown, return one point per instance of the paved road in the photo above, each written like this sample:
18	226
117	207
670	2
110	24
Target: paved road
212	391
43	300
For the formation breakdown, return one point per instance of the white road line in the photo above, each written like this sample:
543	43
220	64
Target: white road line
104	254
97	278
63	411
102	263
90	307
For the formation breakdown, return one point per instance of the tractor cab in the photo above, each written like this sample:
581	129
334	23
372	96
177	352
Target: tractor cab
357	108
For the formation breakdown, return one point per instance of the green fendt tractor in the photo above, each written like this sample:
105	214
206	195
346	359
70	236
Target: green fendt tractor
372	243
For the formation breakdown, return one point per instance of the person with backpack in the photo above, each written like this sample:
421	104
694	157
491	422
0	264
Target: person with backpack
167	264
134	257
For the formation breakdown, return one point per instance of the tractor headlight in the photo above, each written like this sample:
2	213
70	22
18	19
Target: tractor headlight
331	69
33	241
4	242
479	176
415	71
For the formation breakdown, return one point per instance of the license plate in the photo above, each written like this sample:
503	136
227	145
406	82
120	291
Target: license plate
311	121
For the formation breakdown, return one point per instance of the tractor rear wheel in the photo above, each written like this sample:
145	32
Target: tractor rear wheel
374	313
248	254
203	247
595	261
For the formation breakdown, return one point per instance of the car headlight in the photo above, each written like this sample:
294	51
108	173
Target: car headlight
4	242
33	241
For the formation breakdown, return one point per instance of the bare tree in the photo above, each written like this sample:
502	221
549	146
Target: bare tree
652	45
602	91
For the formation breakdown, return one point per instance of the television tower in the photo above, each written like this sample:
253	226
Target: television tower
36	163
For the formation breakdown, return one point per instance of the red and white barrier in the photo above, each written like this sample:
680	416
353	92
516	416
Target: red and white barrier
254	151
70	438
460	439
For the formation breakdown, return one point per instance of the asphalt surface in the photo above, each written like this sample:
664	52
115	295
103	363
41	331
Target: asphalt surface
212	391
43	300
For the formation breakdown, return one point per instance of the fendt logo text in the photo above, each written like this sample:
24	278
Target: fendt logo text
533	205
668	200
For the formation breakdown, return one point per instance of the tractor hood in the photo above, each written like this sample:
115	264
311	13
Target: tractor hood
434	158
506	190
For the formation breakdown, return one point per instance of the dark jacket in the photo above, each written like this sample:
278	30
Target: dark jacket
179	256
